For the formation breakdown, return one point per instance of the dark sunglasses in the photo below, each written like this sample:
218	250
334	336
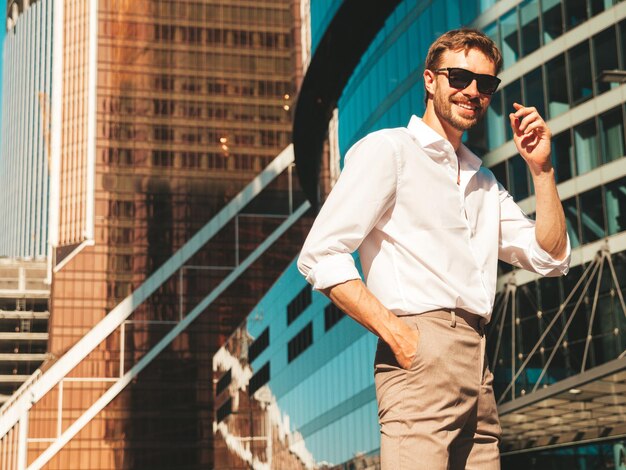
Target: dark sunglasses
461	78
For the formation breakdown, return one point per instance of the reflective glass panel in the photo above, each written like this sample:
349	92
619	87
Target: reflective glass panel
572	221
616	206
580	72
585	138
612	135
495	122
556	79
518	178
592	215
562	153
533	91
605	56
512	94
510	42
552	16
529	22
575	12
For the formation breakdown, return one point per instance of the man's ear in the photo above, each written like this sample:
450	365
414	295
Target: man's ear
429	81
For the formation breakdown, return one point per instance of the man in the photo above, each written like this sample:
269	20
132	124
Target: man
430	224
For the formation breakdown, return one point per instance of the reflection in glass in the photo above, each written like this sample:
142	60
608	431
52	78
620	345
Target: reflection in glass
529	20
556	79
562	153
518	178
612	135
510	42
552	20
592	215
512	94
616	206
571	220
495	122
605	56
580	72
533	90
585	138
575	12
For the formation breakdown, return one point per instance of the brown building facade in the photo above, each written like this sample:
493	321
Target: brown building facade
168	109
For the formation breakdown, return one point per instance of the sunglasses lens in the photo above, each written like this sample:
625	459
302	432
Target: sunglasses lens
461	78
487	85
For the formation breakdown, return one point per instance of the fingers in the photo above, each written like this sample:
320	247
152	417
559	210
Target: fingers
528	120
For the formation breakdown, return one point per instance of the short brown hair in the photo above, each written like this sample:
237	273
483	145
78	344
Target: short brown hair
463	39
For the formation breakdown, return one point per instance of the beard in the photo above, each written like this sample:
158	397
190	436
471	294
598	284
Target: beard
444	109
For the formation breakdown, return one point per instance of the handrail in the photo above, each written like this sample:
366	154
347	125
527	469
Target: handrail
41	383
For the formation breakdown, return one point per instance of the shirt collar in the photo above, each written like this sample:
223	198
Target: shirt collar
427	137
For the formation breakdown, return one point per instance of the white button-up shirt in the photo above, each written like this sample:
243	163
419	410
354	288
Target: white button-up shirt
425	242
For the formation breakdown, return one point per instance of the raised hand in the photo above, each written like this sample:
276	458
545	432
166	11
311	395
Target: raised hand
532	137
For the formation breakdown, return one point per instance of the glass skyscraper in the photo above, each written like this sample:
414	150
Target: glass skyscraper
556	345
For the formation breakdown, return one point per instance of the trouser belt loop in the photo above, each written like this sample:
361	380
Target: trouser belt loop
453	321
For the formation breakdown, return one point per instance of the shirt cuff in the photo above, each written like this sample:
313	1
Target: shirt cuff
545	264
333	270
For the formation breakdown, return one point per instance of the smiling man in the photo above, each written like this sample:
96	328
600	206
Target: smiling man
430	224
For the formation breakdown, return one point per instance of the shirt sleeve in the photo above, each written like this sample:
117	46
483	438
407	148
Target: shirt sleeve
365	189
518	244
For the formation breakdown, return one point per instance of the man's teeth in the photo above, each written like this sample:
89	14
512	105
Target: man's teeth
466	106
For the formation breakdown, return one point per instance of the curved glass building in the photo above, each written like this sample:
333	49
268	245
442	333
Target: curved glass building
557	345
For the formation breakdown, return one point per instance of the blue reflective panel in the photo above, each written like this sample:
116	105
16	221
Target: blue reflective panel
529	22
585	138
605	56
616	206
495	122
572	221
580	73
510	41
512	94
612	135
438	17
556	79
592	215
552	19
562	154
453	14
533	91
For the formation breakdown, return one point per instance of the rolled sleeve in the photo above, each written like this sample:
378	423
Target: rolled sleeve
518	244
332	270
364	191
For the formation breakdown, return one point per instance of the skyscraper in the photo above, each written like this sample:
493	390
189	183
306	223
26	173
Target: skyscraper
161	113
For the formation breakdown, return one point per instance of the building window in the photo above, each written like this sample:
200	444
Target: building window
259	379
592	215
512	94
580	73
510	41
224	382
552	16
575	12
585	139
605	56
616	206
298	304
571	220
300	342
562	156
612	135
518	178
332	315
558	101
533	90
529	20
225	410
259	345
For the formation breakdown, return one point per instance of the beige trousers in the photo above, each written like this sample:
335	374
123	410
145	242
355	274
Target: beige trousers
441	413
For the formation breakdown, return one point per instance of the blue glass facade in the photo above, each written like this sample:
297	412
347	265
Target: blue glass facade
554	55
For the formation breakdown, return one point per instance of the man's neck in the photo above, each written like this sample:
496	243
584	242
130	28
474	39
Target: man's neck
442	128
